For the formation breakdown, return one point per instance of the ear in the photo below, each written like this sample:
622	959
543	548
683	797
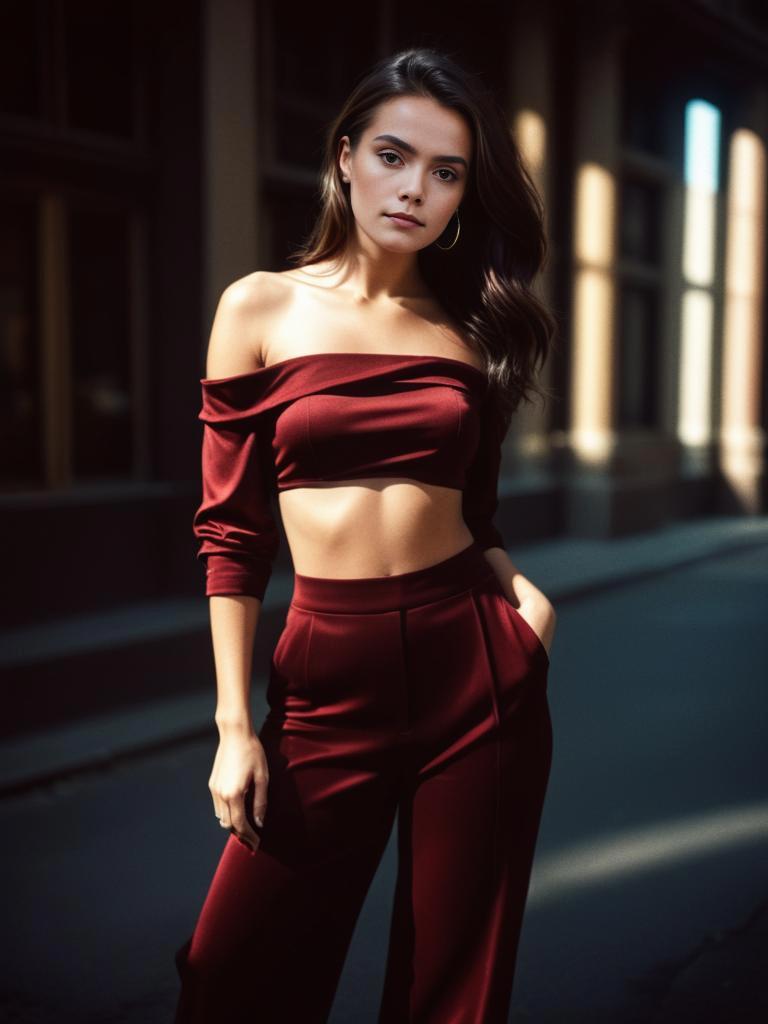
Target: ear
343	155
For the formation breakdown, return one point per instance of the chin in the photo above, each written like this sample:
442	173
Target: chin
401	245
400	249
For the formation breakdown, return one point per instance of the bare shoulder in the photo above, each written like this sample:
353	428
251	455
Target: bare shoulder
244	313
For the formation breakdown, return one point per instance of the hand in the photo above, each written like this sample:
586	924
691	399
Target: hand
524	596
240	776
540	615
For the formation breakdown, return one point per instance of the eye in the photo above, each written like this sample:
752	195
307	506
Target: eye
386	153
452	176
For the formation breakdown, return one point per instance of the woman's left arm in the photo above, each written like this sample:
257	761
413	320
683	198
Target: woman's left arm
534	606
480	504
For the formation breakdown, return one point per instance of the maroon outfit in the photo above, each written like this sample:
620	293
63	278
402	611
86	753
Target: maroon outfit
421	695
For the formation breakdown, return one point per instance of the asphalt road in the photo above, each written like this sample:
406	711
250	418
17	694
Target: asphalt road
654	835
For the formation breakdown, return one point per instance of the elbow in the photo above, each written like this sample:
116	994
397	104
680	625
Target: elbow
236	561
486	534
235	574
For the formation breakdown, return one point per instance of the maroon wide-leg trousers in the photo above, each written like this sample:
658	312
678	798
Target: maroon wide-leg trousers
421	695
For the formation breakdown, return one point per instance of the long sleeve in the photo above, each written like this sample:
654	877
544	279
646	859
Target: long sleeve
480	501
238	535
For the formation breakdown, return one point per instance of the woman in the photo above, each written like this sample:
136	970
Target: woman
370	388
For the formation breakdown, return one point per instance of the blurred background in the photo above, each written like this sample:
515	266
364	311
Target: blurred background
152	152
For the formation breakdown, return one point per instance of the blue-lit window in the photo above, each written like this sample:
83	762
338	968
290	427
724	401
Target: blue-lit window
702	145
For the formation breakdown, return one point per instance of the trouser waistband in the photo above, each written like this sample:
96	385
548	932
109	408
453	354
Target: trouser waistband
458	572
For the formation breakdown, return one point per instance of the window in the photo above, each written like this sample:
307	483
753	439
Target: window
20	387
99	67
638	357
73	201
646	173
20	59
99	281
640	224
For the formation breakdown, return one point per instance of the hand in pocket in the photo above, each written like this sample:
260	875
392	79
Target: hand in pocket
540	617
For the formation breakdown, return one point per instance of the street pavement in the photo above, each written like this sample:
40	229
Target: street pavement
649	896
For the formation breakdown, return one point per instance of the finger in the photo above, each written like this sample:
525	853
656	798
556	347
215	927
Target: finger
242	824
250	844
259	805
224	815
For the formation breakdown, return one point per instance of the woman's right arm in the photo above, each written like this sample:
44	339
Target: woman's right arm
240	761
238	543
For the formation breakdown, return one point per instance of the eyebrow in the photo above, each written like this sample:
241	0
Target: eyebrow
411	149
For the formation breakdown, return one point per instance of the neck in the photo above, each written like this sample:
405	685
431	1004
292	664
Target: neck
372	274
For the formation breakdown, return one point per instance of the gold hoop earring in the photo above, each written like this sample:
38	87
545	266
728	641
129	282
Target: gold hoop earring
445	248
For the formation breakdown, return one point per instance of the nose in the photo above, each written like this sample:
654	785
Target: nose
413	193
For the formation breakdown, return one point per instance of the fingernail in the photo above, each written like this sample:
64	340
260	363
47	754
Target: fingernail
259	821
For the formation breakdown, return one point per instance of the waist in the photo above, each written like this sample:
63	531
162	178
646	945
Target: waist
459	571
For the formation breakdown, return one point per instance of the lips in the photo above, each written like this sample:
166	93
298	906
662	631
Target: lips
406	217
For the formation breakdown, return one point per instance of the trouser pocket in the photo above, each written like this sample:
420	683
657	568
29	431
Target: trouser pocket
340	668
527	629
288	664
515	648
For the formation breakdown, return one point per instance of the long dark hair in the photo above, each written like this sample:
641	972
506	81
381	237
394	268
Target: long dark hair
484	282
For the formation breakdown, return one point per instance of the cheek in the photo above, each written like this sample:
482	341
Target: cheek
445	200
442	206
370	195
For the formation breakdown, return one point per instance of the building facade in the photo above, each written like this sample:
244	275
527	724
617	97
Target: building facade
150	154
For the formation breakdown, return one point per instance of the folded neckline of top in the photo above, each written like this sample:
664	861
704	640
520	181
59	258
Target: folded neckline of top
395	356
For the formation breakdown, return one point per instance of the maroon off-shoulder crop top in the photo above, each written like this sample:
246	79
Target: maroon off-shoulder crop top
336	416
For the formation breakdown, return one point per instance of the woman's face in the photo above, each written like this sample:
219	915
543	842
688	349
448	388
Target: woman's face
420	168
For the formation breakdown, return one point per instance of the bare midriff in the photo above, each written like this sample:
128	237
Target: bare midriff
379	526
